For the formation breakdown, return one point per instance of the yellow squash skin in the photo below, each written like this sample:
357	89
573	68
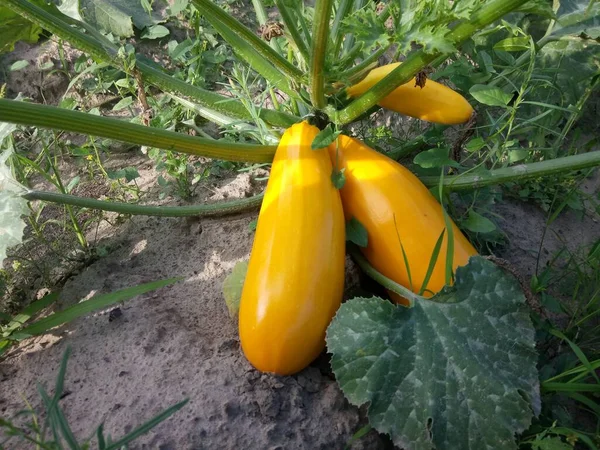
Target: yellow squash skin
295	278
434	102
391	202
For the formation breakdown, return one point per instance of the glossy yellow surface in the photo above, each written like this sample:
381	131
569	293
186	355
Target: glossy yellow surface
295	278
393	205
434	102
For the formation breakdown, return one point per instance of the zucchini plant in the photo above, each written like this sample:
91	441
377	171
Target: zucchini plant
452	365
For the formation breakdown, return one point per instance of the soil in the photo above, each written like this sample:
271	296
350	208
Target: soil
179	342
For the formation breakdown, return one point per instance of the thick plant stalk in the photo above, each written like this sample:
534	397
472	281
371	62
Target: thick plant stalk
374	274
205	210
62	119
490	12
291	26
212	11
341	13
458	182
104	50
318	52
516	173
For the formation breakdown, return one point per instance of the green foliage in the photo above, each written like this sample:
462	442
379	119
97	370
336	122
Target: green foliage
57	426
356	233
21	327
14	28
441	372
232	287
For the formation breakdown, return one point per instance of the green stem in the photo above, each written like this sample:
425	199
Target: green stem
291	26
382	279
342	11
62	119
355	71
206	210
488	13
517	173
210	11
103	50
318	52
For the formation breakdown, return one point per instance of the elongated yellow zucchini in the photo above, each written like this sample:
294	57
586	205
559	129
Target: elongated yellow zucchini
295	278
398	212
434	102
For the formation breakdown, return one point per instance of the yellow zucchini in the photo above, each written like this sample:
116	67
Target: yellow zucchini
295	277
396	208
433	103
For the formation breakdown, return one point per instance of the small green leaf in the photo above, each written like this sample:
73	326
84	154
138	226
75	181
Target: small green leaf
74	182
356	233
47	65
232	287
478	224
454	372
490	95
338	178
325	138
513	44
475	144
550	443
155	32
129	173
252	225
18	65
178	6
123	103
435	158
517	155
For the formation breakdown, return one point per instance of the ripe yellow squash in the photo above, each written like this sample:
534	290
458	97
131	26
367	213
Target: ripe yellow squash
395	207
434	102
295	277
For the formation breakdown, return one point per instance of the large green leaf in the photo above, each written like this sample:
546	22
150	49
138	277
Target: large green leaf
454	372
14	28
111	16
576	17
233	286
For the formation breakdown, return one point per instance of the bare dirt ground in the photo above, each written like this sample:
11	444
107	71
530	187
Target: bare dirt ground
179	342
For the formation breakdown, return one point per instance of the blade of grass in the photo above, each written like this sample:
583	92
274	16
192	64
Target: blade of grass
450	230
147	426
570	387
406	264
94	303
592	405
578	352
432	261
29	312
579	371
